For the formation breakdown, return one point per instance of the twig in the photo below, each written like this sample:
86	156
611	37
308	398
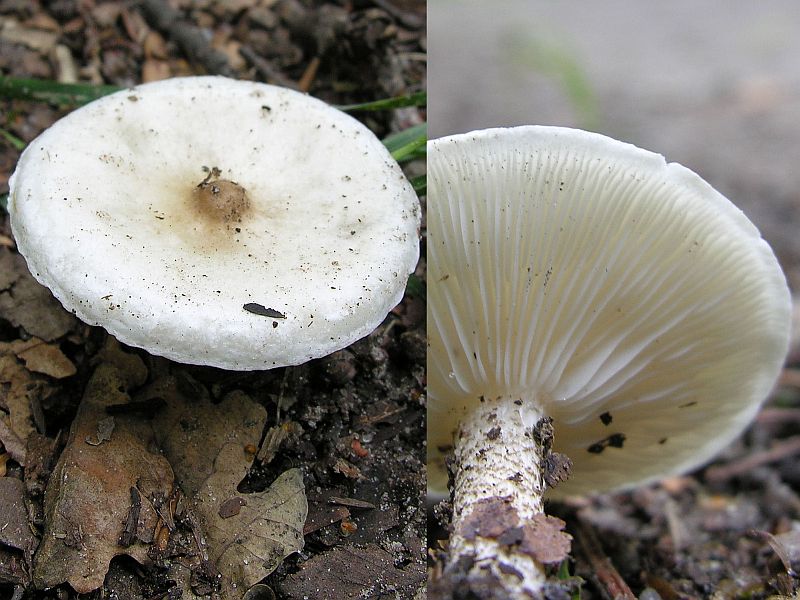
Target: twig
606	575
266	70
779	451
309	74
771	415
189	37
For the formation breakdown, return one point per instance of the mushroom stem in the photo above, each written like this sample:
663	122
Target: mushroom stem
498	488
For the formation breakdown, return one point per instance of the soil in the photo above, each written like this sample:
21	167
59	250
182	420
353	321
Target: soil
353	422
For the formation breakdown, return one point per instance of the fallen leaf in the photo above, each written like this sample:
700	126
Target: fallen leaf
47	359
321	515
15	385
130	366
35	39
350	572
14	529
154	69
205	444
88	497
14	446
27	304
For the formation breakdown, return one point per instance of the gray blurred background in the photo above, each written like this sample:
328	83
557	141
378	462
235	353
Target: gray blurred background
713	85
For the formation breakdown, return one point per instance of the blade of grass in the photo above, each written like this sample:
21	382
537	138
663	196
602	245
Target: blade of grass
411	151
420	184
553	59
4	202
52	92
408	144
75	94
416	99
397	140
13	140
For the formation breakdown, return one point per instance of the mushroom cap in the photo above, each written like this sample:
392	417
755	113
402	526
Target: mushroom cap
217	222
634	304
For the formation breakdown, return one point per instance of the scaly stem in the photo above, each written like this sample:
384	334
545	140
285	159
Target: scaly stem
498	487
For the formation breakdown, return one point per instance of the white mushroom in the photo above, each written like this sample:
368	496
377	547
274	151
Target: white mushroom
217	222
575	277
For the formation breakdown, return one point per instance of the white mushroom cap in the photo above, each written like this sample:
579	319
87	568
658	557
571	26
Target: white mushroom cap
115	208
633	303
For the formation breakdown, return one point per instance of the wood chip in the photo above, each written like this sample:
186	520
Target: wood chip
351	502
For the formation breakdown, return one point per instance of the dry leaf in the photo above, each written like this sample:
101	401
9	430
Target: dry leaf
15	385
350	572
206	445
88	497
14	529
130	366
35	39
24	303
155	70
48	359
14	446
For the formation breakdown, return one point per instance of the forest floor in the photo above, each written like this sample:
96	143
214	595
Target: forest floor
347	431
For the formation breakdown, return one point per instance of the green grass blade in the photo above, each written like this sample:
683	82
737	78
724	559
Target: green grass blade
52	92
416	99
401	138
420	184
408	144
553	59
4	202
17	143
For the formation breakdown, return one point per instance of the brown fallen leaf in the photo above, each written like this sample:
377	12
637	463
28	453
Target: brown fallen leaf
14	529
88	498
205	444
130	366
15	386
12	32
47	359
350	572
15	447
154	69
27	304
